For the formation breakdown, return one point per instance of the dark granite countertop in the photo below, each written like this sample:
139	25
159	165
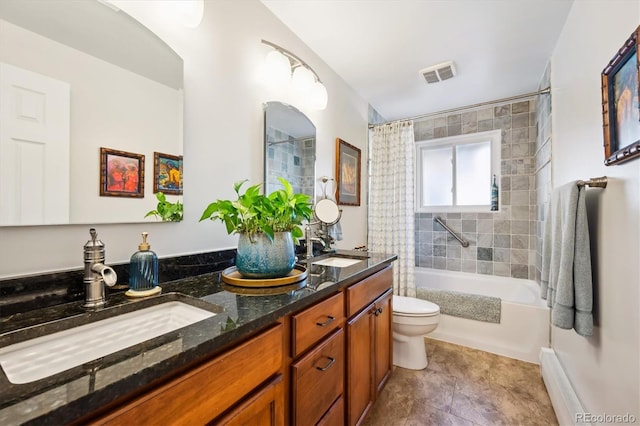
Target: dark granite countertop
240	312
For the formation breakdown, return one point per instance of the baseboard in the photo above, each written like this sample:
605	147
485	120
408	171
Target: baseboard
563	398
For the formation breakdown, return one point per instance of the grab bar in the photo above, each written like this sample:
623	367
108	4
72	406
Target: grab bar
464	243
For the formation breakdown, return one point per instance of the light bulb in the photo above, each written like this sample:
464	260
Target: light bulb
302	80
319	97
277	68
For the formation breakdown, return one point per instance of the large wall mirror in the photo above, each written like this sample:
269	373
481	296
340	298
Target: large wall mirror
77	76
290	148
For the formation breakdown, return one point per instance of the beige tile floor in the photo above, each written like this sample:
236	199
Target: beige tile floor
464	386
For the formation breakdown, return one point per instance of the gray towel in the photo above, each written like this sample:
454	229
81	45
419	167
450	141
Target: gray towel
566	260
463	305
335	231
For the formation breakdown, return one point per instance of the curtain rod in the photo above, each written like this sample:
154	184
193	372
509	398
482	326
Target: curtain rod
544	91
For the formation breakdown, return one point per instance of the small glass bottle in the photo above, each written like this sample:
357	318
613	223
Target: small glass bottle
143	272
494	195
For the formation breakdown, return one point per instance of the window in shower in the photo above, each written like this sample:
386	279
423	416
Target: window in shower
454	174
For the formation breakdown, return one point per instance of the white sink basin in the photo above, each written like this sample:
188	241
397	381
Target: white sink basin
44	356
339	262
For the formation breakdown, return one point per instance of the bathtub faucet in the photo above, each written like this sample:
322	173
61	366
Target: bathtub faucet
96	273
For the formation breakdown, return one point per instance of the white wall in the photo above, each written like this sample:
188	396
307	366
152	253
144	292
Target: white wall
605	368
223	140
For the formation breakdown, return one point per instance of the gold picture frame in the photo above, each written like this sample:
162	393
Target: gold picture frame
121	173
167	173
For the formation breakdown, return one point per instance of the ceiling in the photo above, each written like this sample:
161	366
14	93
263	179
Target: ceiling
499	47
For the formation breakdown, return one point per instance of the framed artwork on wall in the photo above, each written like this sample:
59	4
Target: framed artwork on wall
348	169
620	104
167	173
121	173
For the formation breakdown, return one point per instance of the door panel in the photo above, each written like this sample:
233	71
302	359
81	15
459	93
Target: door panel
34	148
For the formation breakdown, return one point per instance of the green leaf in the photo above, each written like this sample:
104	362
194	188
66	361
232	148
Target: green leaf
209	211
287	187
237	185
166	210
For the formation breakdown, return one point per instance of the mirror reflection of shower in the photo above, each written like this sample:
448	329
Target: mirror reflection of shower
290	148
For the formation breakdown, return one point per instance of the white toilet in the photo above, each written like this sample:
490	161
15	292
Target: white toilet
412	319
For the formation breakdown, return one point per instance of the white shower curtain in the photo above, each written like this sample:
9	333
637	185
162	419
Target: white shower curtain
391	216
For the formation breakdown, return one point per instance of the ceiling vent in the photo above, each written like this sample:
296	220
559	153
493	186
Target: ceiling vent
436	73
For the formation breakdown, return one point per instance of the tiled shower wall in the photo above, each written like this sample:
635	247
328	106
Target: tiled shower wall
292	159
543	165
501	243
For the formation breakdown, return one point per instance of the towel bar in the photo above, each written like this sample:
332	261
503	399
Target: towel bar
599	182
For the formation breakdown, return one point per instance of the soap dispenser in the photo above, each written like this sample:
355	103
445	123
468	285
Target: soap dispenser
143	272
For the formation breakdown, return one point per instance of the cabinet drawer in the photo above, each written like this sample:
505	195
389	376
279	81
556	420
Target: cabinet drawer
318	380
312	324
205	392
335	415
366	291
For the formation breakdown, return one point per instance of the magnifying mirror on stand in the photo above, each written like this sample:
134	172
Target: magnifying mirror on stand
327	214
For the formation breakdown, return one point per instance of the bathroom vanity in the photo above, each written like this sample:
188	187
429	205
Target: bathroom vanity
317	352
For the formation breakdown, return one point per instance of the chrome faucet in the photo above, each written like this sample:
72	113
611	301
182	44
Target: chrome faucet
309	240
325	239
96	273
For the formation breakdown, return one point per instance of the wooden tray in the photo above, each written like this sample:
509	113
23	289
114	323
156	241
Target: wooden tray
233	277
264	291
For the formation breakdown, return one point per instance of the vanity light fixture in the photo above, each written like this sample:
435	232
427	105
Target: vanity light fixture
304	80
277	68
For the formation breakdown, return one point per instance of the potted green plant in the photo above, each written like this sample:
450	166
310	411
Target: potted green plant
166	210
268	227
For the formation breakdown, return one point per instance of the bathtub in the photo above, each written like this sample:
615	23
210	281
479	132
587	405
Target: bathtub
524	324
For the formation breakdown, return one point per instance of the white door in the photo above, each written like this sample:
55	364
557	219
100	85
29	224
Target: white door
34	148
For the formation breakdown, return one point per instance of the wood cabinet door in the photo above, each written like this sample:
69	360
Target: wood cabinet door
360	335
383	342
363	293
264	408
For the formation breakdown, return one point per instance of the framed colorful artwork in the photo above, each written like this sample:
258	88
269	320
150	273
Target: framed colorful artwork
620	105
121	173
348	165
167	173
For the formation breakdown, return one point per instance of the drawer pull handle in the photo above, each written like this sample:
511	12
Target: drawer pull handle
377	311
327	322
326	367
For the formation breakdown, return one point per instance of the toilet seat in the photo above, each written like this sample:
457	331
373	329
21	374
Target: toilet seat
412	307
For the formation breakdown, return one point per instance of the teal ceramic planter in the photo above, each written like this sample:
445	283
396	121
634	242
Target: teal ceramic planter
260	257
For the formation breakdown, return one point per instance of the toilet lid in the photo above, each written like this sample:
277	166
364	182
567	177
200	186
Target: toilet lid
411	306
